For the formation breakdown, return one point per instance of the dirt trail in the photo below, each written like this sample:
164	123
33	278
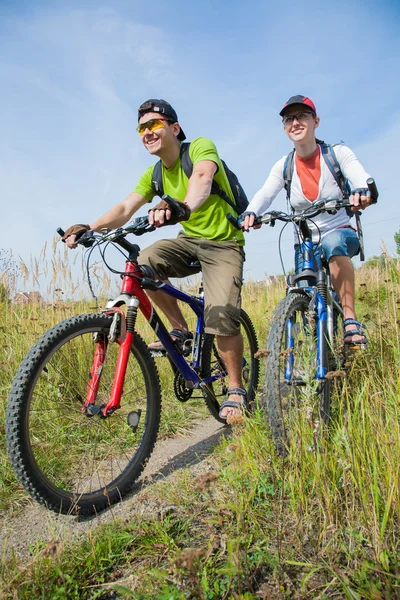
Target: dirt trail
36	523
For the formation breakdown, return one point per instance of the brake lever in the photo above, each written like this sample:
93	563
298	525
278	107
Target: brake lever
87	239
139	226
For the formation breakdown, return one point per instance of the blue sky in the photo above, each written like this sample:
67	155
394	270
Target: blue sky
73	74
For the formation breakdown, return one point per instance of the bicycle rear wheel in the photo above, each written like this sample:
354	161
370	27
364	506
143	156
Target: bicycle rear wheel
295	401
68	460
212	365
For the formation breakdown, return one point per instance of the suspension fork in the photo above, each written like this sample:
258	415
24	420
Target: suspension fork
322	346
289	346
122	332
322	358
95	373
329	311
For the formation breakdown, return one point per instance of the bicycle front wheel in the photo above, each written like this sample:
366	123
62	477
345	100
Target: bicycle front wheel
212	365
66	459
295	401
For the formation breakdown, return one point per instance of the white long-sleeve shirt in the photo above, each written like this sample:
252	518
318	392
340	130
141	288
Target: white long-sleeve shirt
351	168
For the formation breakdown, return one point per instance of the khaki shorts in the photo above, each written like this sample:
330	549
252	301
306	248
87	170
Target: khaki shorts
222	269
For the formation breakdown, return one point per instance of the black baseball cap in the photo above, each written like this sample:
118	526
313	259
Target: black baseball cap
162	107
299	99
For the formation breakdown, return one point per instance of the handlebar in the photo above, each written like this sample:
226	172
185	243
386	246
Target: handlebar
137	226
373	190
315	209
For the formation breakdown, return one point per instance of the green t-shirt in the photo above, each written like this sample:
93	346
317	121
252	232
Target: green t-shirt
209	221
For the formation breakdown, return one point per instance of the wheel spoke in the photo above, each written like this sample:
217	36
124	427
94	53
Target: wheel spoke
74	460
212	365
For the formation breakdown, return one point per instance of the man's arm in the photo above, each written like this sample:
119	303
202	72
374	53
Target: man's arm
199	189
116	217
119	214
200	182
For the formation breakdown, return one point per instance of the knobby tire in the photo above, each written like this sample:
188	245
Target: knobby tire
66	460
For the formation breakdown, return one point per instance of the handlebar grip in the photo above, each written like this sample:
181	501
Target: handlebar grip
233	220
174	205
60	231
373	190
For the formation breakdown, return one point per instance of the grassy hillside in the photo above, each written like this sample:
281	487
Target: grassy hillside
324	523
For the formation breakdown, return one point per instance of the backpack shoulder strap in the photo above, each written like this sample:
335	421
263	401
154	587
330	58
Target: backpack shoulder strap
215	189
333	165
288	173
187	165
156	179
186	161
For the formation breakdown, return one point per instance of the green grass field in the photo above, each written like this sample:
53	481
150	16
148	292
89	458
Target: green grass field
323	523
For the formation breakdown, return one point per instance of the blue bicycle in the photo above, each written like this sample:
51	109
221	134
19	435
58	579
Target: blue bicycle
84	409
305	352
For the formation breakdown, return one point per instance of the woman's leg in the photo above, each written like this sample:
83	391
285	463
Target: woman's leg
339	246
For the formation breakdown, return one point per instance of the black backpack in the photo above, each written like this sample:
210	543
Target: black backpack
240	202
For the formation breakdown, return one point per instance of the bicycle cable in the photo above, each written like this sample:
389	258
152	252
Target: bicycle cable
100	241
280	247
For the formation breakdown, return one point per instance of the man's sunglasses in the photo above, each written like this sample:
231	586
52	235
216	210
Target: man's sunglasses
152	125
300	116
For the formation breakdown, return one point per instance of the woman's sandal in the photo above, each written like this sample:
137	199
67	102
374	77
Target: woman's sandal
360	344
183	339
232	403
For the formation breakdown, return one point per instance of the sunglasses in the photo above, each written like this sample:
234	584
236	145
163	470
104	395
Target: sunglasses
301	116
152	125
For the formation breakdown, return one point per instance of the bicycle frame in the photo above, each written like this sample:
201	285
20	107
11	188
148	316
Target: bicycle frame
323	308
133	295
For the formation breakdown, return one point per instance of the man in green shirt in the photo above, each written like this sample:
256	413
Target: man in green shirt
207	237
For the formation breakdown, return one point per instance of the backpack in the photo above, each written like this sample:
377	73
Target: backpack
240	202
332	164
343	184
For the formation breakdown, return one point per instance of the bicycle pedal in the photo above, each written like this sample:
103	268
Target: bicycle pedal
357	347
158	353
298	381
185	347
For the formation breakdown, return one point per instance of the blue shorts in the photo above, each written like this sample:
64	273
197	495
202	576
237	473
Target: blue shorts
339	242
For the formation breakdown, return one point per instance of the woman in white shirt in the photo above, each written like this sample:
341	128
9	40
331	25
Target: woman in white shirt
312	180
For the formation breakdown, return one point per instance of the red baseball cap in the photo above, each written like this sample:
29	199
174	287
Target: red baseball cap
299	99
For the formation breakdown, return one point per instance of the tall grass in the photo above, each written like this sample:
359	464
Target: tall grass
322	523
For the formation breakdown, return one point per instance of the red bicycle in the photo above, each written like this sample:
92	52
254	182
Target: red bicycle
84	409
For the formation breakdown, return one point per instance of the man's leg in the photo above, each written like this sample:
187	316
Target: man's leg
222	266
170	308
169	258
231	351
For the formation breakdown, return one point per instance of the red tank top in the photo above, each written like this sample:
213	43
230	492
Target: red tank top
309	172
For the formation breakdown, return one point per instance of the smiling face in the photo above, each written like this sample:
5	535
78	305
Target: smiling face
162	138
301	128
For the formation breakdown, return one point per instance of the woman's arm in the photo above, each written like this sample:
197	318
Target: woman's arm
353	170
351	167
263	199
274	183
